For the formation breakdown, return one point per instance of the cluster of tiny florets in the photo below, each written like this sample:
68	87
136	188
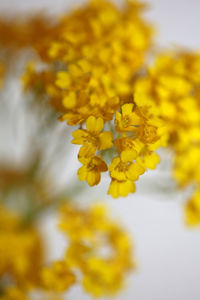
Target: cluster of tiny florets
91	66
89	232
173	82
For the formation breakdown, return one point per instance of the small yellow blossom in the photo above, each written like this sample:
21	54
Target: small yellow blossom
124	172
57	277
92	138
150	160
20	249
121	188
128	120
91	169
123	168
126	144
13	293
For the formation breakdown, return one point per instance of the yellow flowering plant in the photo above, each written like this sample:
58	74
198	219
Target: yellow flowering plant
93	88
89	69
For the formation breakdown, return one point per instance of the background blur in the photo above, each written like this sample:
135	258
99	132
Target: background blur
166	250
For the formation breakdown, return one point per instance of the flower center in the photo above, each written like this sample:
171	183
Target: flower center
123	166
126	121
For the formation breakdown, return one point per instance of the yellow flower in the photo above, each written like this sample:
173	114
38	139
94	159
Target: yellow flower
121	188
78	227
14	293
149	160
20	248
63	79
108	274
123	172
147	134
57	277
123	168
92	138
128	120
126	144
91	170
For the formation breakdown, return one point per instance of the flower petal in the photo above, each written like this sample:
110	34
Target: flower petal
105	139
151	161
128	155
87	150
134	171
82	173
80	136
94	125
93	178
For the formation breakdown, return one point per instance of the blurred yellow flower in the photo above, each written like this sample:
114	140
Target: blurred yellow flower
57	277
20	248
99	248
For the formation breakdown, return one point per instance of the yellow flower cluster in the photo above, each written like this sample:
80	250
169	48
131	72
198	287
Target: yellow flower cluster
173	84
100	47
91	65
20	250
98	247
